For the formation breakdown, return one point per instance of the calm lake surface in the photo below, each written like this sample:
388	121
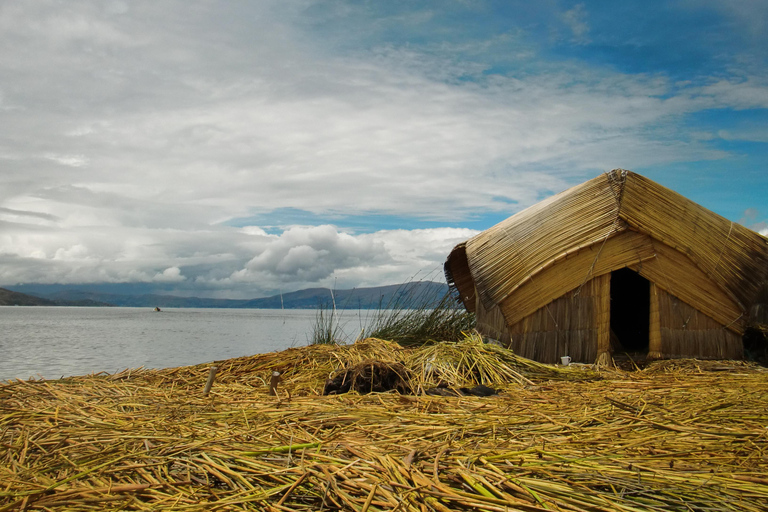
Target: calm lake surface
54	342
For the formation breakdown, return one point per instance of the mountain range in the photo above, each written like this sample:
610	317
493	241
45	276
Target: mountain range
416	293
11	298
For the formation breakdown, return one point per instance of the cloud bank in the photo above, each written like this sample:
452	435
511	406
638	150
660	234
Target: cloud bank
156	142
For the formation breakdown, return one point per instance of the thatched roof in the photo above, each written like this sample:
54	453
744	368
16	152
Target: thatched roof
619	219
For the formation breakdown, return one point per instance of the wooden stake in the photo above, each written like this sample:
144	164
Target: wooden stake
211	378
273	383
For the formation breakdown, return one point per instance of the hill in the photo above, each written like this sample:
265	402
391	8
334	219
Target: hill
402	295
11	298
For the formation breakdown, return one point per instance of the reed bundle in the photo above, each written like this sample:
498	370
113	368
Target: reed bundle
685	436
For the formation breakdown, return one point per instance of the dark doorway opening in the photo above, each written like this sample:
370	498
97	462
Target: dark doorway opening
630	310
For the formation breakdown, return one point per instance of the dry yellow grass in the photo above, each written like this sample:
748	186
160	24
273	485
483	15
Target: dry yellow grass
680	435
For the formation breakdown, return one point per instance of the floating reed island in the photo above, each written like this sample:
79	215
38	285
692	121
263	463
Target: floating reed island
678	435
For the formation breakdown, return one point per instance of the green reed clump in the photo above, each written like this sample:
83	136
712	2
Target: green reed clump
413	316
425	320
327	329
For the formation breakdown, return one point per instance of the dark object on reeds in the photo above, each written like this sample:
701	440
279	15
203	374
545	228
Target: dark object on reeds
442	391
480	390
370	377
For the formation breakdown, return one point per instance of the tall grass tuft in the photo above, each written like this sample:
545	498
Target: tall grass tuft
425	321
412	317
327	329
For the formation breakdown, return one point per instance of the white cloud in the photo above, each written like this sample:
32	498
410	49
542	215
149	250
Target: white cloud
426	246
254	231
69	160
354	134
244	262
751	218
76	252
751	16
137	130
737	93
311	254
754	135
576	20
169	275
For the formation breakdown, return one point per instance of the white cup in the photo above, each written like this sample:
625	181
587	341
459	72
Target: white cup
566	360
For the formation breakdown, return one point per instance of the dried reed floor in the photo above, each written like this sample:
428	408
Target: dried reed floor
676	436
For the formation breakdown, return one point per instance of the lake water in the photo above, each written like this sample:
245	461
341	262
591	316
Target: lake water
54	342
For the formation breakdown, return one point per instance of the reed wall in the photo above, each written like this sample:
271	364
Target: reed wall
491	322
569	325
675	273
578	324
687	332
575	269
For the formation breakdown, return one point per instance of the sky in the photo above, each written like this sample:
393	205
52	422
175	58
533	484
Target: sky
240	149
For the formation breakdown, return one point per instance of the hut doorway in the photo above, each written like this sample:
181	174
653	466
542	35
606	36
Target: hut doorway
630	310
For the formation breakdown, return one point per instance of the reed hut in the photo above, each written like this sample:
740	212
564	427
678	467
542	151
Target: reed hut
616	264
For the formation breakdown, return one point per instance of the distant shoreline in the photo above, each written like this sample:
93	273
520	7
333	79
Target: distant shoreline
394	296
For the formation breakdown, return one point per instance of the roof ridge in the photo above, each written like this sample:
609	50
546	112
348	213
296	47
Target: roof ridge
617	178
